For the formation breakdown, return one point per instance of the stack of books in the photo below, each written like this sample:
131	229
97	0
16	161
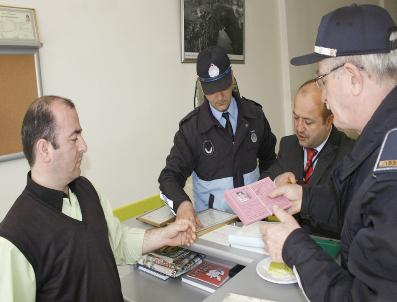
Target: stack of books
208	276
169	262
249	238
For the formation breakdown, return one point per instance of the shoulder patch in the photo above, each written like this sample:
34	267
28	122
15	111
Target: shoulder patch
387	158
189	115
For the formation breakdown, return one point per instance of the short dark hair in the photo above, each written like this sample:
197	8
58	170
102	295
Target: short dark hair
326	112
39	122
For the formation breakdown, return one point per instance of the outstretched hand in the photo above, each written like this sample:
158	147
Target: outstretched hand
293	193
275	234
186	212
181	232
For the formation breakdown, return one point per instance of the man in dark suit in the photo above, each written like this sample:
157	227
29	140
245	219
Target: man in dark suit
309	156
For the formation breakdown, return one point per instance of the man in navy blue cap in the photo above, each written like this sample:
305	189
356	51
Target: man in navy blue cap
357	71
220	143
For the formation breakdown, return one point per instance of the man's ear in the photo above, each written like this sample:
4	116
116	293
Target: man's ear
355	77
43	150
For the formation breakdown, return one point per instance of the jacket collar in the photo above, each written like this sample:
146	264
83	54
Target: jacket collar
332	142
207	121
383	119
50	197
327	155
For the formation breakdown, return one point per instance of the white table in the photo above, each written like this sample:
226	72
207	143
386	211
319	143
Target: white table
141	287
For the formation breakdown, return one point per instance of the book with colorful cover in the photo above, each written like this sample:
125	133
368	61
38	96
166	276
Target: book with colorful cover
177	264
199	284
171	261
251	203
171	253
173	272
210	273
153	272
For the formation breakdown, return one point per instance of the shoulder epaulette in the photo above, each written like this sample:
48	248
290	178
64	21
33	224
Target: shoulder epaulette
189	115
387	158
251	101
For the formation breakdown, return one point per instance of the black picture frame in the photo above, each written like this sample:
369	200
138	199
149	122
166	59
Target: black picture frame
206	23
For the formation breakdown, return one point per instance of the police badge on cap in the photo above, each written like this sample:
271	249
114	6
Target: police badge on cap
214	70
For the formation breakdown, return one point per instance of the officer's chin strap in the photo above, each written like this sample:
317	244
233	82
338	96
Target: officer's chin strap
196	101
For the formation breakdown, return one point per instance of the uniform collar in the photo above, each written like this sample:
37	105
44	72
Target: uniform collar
373	133
50	197
233	111
208	121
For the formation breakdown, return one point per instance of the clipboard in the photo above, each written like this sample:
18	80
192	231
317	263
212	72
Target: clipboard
213	219
210	218
158	217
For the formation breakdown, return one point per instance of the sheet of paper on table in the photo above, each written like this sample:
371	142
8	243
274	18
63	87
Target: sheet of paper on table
240	298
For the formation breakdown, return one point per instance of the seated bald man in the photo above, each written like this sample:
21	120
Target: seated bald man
309	156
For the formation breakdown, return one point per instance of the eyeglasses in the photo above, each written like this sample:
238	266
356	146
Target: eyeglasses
320	79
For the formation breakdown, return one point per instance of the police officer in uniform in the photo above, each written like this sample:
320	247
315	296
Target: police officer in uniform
224	143
357	70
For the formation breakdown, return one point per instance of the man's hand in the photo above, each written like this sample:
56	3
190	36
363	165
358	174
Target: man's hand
293	193
186	211
181	232
275	234
285	178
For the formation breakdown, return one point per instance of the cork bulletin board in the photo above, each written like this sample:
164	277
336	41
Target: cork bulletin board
20	84
20	80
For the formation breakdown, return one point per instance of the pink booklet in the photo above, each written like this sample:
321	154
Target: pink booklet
251	203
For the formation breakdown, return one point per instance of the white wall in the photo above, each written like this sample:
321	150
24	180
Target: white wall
119	60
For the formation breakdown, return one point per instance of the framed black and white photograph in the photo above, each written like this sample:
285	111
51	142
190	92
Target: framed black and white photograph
207	23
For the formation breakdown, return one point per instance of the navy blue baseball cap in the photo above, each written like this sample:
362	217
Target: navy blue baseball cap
352	30
214	70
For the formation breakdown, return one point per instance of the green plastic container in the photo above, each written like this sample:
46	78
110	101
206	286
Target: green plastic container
330	246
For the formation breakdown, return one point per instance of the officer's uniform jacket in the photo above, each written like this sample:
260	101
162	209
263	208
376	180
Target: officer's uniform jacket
361	201
202	146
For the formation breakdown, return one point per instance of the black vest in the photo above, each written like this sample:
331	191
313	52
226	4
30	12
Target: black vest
72	259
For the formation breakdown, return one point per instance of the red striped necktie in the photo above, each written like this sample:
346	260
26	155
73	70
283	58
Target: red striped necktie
310	153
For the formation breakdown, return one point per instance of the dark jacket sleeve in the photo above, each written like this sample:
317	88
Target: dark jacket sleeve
320	206
179	166
266	153
321	203
277	167
370	274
